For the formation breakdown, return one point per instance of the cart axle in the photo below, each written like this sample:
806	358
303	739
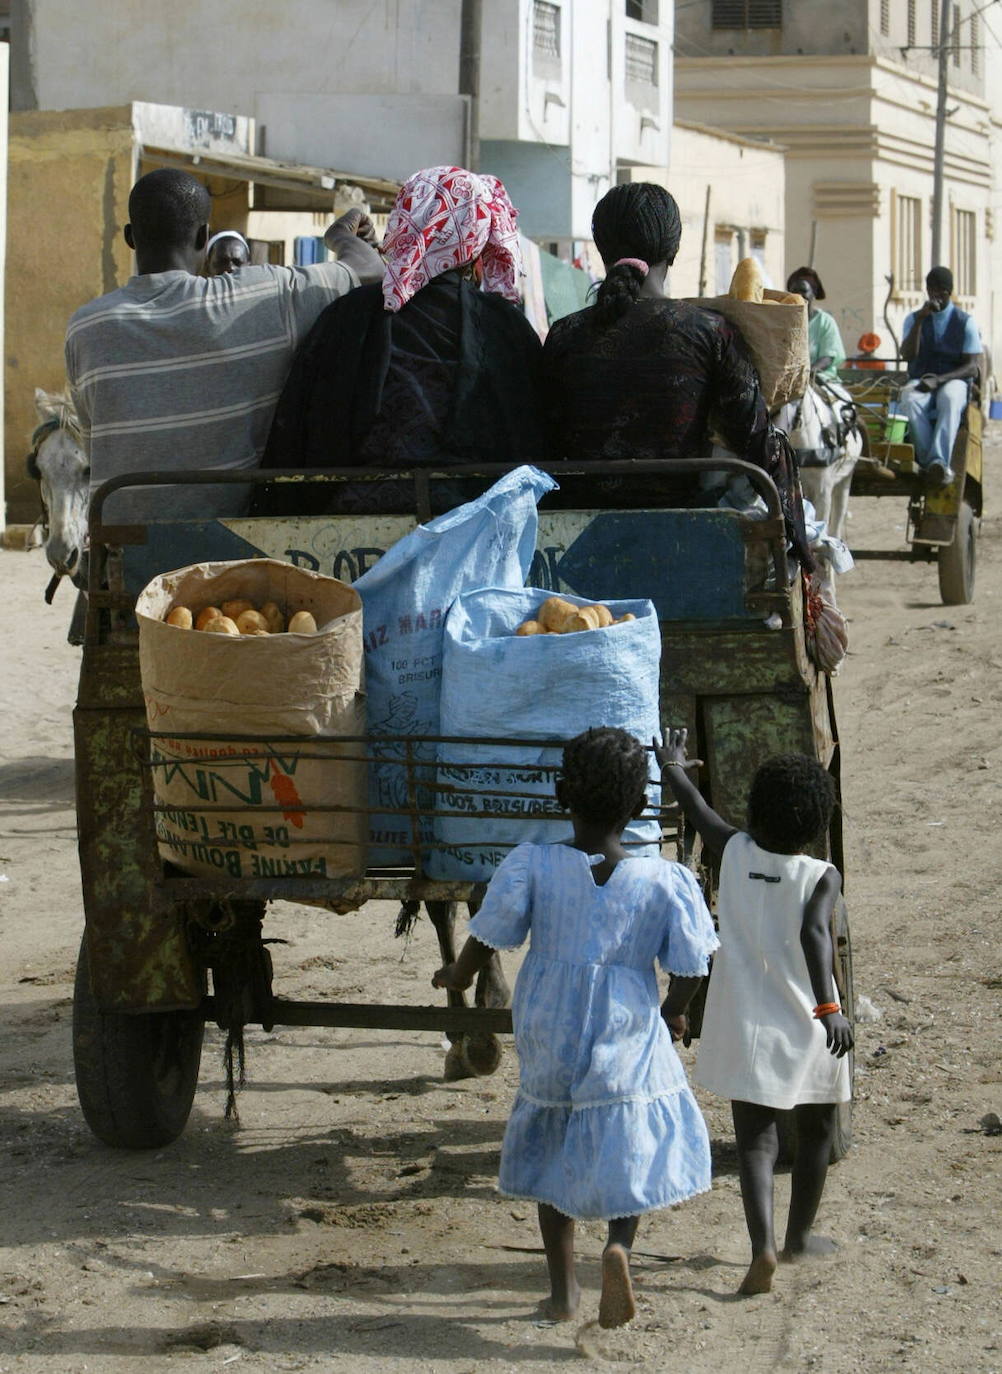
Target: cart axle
376	1016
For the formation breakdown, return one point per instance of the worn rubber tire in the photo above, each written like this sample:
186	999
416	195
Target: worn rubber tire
136	1074
957	561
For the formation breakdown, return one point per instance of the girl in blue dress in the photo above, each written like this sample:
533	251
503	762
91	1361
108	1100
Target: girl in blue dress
604	1124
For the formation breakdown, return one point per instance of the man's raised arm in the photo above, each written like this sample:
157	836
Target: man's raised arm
351	239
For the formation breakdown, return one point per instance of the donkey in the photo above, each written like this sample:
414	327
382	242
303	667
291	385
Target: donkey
59	465
824	430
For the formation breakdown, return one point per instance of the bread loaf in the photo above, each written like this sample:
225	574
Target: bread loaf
302	623
236	607
530	627
273	618
251	622
583	618
554	612
179	616
747	283
203	617
222	625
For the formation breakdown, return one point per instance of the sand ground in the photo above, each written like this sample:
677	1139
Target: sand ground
350	1222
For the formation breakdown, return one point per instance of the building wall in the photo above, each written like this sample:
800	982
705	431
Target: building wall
746	206
222	55
382	134
69	181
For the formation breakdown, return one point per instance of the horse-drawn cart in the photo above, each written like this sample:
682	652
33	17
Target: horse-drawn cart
164	951
942	522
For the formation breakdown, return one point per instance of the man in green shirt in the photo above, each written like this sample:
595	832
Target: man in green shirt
823	337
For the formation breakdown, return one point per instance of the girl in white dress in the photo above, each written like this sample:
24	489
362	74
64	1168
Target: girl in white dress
604	1125
774	1037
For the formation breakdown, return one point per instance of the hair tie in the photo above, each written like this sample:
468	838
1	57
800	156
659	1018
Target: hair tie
638	263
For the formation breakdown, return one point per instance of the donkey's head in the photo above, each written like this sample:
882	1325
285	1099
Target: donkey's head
59	466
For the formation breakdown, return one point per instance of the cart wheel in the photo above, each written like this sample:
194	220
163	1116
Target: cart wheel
842	1138
136	1073
957	561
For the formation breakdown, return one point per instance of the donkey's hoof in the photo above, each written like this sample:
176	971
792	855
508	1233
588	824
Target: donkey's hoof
482	1053
456	1064
472	1056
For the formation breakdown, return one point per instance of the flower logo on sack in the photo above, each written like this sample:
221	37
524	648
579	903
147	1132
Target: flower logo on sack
284	791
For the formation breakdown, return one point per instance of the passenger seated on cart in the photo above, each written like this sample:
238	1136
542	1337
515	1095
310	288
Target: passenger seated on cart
638	375
604	1125
435	367
226	251
176	371
824	340
773	1037
942	347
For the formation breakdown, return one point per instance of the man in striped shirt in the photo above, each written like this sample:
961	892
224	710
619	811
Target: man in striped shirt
174	371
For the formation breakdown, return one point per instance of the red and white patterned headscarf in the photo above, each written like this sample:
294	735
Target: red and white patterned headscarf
447	217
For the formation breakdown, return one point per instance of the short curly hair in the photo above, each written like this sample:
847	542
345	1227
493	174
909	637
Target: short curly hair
604	775
790	803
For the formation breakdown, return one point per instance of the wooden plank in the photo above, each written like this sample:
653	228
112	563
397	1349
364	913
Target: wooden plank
376	1016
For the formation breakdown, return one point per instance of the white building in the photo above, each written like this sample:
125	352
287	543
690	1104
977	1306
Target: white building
849	88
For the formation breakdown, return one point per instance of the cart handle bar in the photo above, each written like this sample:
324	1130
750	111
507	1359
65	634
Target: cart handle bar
421	477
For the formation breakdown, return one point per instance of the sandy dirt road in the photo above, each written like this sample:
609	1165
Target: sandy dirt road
350	1222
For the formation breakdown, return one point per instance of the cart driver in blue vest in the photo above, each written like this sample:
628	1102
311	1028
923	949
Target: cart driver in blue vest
942	348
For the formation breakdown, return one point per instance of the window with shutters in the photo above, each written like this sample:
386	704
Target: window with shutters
975	44
641	60
644	11
546	29
955	35
747	14
934	24
911	23
965	245
906	243
885	17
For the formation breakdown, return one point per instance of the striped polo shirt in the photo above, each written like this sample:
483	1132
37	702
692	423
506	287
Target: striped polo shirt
181	373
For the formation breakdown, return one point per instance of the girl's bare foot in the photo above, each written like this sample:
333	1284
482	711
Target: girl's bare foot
559	1309
616	1306
759	1276
810	1247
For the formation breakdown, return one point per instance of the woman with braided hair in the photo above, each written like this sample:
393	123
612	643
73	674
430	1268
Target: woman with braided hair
604	1124
638	375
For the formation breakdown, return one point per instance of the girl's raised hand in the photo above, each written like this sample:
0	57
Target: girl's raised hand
447	977
672	752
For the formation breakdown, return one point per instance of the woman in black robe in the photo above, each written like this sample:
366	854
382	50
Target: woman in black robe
437	366
638	375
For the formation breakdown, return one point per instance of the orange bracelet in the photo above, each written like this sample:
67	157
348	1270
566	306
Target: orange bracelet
826	1009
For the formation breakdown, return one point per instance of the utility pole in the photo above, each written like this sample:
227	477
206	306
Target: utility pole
946	12
470	28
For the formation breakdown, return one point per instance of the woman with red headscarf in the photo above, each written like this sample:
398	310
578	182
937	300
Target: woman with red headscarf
433	367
